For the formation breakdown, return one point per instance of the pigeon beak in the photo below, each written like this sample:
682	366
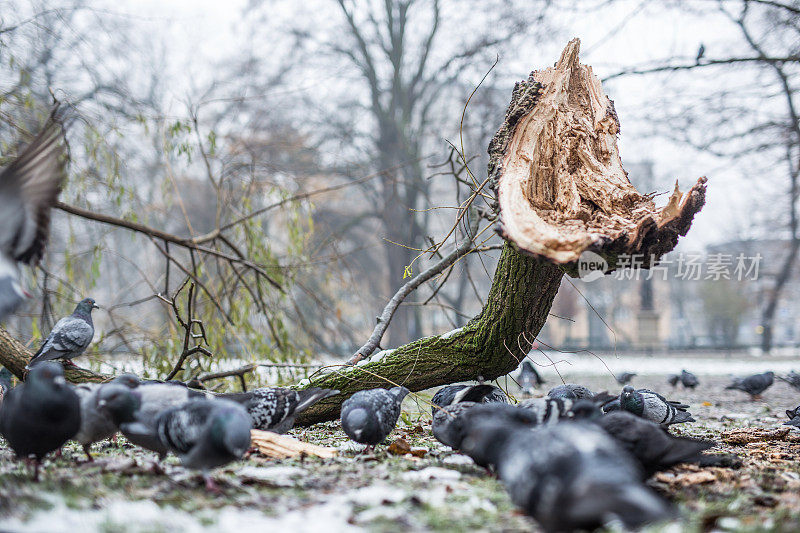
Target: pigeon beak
101	404
95	306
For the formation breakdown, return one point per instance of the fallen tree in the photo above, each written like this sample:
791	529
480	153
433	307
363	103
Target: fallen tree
560	190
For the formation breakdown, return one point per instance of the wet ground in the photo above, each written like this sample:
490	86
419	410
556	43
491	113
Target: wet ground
440	491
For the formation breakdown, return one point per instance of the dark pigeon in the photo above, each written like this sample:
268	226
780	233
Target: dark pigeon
40	415
5	383
547	411
482	393
570	476
650	406
674	379
450	423
70	336
97	424
29	187
529	378
753	385
794	417
689	380
654	448
275	409
792	378
571	391
205	434
625	377
368	416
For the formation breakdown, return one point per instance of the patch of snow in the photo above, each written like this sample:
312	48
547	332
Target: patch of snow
445	336
432	472
283	476
458	459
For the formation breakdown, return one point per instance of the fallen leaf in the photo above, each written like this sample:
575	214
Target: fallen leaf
400	446
706	404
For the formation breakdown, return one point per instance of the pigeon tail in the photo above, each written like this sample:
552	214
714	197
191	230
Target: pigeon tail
309	397
686	450
476	393
633	505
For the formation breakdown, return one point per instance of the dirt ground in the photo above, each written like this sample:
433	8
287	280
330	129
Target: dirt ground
439	491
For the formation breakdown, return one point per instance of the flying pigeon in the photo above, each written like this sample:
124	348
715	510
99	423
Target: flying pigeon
654	448
70	336
529	378
753	385
368	416
650	406
29	187
792	378
40	415
275	409
205	434
96	424
571	391
5	383
482	393
570	476
451	423
625	377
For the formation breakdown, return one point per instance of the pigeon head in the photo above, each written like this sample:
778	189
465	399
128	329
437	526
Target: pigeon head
47	373
119	401
485	439
85	307
361	424
630	400
585	410
230	430
128	380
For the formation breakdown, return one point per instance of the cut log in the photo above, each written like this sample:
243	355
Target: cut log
561	191
283	446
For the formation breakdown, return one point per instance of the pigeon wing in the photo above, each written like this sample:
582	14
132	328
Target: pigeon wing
28	189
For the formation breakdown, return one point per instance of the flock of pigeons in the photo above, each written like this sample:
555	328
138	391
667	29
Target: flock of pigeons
573	459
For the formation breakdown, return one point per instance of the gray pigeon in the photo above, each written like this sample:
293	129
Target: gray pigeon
625	377
96	424
654	448
794	417
70	336
689	380
205	434
274	408
29	187
673	379
792	378
40	415
481	393
368	416
529	378
570	476
571	391
5	383
451	423
753	385
650	406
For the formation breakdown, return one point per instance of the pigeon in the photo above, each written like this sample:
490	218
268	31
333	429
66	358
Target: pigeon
570	476
450	423
529	378
368	416
689	380
40	415
275	409
29	187
70	336
674	379
5	383
571	391
701	51
794	417
483	393
654	448
625	377
96	424
753	385
650	406
792	378
205	434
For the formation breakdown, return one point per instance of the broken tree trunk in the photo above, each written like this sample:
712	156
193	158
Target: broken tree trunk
561	191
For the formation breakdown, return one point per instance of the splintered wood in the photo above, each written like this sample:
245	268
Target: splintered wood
560	183
284	447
